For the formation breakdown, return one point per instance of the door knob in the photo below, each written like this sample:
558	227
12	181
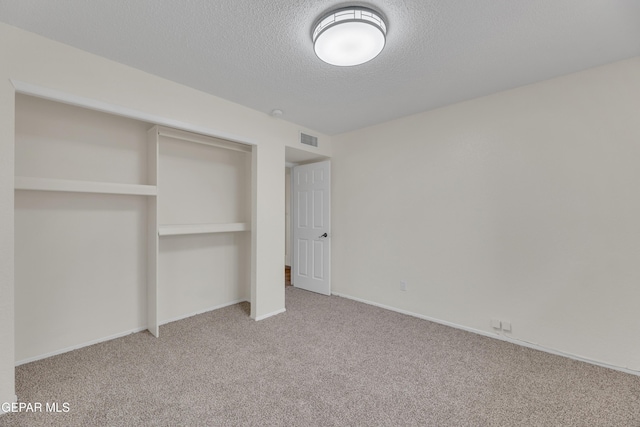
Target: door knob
322	236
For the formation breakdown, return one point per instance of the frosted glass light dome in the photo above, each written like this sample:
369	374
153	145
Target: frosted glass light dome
349	36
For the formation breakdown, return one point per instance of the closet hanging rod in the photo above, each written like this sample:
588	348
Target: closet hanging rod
201	139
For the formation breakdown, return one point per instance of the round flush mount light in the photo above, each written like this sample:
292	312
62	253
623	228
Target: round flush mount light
349	36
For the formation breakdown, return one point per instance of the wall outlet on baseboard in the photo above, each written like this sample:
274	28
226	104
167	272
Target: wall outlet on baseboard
501	325
403	285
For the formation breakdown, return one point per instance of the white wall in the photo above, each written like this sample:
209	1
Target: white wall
7	370
521	206
32	59
80	270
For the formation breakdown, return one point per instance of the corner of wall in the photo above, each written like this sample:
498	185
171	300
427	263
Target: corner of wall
7	363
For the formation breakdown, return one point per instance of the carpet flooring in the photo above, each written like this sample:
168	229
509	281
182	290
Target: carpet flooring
327	361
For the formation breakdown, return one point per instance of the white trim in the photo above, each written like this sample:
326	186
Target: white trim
183	229
92	104
493	335
274	313
76	186
199	139
78	346
206	310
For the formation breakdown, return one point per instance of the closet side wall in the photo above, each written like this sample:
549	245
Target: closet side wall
7	371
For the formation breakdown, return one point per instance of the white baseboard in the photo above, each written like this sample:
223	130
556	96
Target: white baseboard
206	310
75	347
121	334
264	316
494	335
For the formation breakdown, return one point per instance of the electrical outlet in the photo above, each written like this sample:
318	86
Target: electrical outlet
501	325
403	285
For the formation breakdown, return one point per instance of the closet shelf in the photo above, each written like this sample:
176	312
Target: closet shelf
50	184
182	229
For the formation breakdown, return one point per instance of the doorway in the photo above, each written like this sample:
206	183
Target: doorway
288	202
294	158
311	234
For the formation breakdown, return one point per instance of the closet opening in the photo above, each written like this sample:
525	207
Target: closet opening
122	225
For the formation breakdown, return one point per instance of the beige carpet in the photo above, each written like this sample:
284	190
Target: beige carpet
326	361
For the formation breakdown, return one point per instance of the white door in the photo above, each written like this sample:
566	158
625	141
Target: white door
312	227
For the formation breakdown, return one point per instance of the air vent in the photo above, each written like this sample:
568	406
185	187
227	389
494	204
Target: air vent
308	139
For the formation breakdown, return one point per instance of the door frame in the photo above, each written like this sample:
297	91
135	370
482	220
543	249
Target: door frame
294	213
297	156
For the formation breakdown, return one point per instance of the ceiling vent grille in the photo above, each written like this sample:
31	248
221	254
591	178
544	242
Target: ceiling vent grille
308	139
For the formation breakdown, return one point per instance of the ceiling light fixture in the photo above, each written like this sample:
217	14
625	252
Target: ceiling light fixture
349	36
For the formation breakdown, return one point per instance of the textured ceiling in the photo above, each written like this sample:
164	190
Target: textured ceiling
259	53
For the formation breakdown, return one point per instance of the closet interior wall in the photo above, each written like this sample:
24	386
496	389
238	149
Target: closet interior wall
204	213
117	232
